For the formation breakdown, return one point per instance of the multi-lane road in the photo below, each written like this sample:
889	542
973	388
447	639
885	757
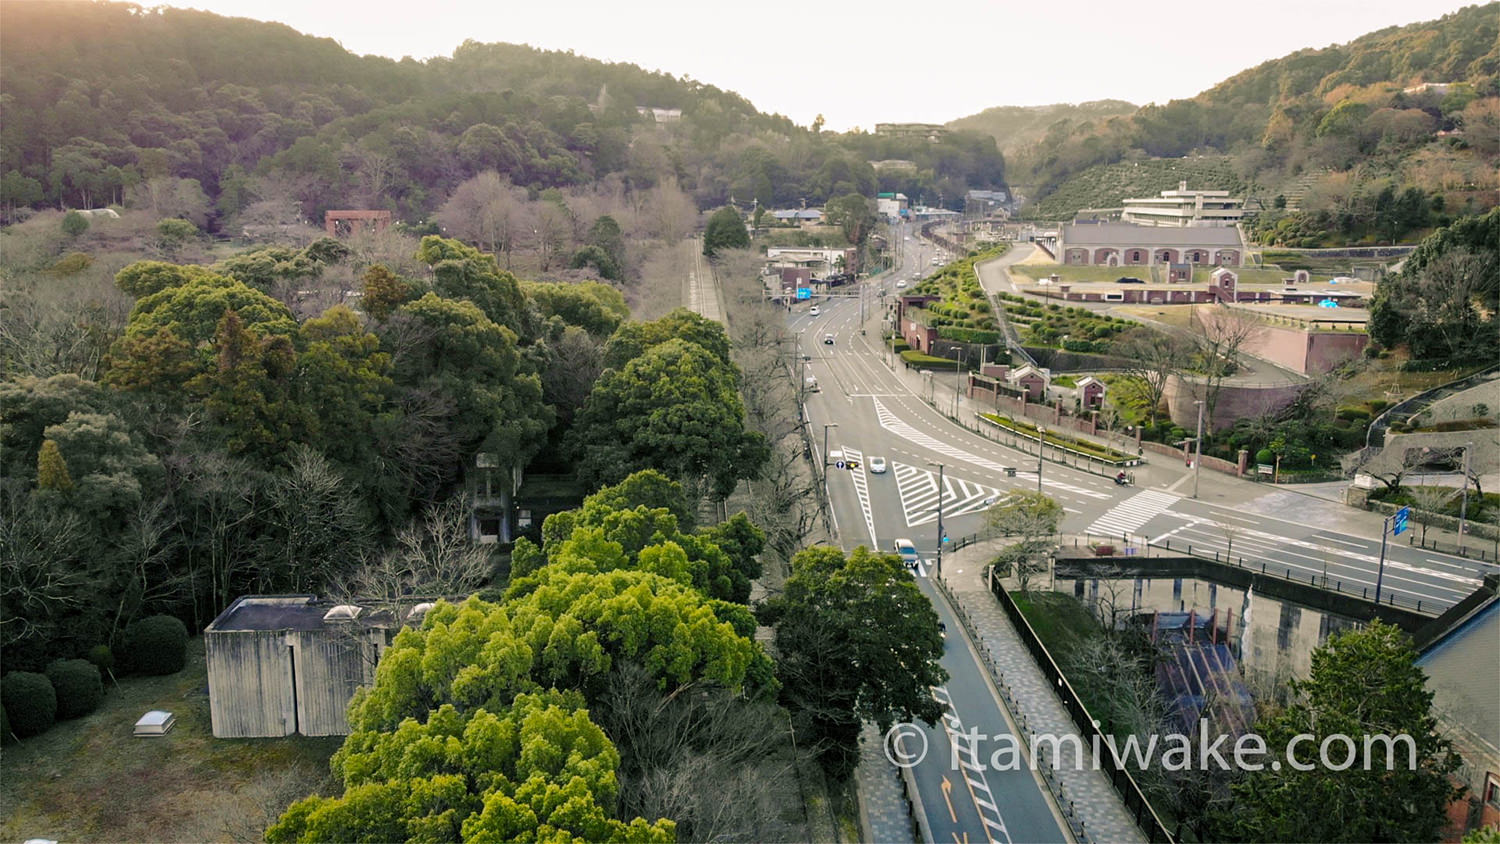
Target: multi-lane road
869	406
872	407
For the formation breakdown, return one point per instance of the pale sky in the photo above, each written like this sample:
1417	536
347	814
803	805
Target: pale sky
877	61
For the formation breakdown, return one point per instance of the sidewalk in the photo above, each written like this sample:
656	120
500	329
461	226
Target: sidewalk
884	811
1086	797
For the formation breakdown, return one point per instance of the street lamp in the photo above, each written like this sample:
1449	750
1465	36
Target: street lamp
1198	449
939	564
1041	446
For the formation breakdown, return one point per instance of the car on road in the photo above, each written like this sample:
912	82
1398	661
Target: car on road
828	339
877	465
1129	280
908	551
812	384
813	311
900	284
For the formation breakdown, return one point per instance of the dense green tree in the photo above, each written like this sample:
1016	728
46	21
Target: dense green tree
270	267
674	408
605	233
74	224
344	381
632	525
463	272
534	768
112	471
596	308
52	470
854	215
384	292
474	364
633	339
1362	683
857	642
724	230
1443	303
592	256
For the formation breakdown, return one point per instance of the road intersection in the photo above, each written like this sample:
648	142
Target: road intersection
873	407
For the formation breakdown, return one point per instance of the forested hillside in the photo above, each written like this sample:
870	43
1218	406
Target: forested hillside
1376	139
1014	127
110	103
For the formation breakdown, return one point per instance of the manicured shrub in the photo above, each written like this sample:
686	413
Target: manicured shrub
77	685
29	701
156	645
1265	456
102	657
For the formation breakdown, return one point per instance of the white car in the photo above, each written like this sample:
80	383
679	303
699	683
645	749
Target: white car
812	384
900	284
814	310
908	551
828	339
877	465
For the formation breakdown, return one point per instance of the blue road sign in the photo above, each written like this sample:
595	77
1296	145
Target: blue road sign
1398	522
841	465
804	293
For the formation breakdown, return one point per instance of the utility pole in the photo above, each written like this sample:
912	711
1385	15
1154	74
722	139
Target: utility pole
940	518
1463	508
825	444
1041	446
1198	450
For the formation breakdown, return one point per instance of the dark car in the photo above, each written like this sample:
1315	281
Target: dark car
1129	280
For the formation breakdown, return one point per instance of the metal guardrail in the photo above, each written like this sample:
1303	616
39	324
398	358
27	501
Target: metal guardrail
1130	792
1055	786
1313	580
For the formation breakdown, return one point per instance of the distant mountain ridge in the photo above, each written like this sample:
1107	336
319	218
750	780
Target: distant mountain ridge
101	99
1016	126
1408	108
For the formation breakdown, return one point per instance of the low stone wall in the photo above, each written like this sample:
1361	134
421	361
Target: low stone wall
1234	402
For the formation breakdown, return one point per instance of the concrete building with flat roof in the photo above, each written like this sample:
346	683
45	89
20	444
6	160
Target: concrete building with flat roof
1183	208
285	664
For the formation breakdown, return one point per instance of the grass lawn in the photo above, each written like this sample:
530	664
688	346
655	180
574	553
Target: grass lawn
90	780
1060	620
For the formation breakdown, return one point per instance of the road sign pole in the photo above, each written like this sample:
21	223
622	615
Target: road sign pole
1380	574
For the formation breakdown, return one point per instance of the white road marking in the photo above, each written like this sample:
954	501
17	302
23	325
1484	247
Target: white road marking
903	429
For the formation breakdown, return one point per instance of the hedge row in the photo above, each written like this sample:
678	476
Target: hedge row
969	335
71	688
917	360
1059	441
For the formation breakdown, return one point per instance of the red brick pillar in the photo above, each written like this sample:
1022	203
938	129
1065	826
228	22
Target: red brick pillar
1243	463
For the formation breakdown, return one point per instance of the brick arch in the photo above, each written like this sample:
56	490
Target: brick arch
1077	255
1166	256
1195	256
1225	257
1135	256
1108	256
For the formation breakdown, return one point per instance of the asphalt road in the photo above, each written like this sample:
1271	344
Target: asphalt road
869	406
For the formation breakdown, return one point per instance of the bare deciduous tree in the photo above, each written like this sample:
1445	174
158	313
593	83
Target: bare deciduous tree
1222	333
433	556
487	211
1154	357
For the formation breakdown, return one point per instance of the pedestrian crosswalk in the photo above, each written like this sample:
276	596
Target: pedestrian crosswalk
893	423
1131	514
918	489
862	490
